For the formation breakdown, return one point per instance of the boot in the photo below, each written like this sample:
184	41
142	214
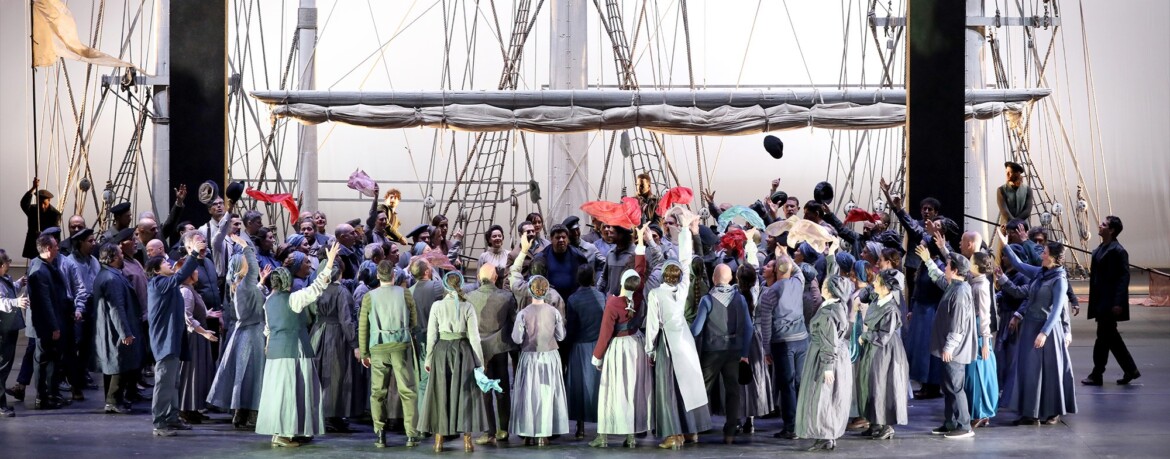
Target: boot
438	443
749	427
630	442
381	441
16	391
468	445
580	430
600	442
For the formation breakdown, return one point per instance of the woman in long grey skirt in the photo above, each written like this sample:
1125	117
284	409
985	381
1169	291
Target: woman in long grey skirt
240	375
883	373
826	381
539	411
757	397
679	393
196	372
1044	381
290	402
453	401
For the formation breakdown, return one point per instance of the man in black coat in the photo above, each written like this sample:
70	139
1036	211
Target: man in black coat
40	214
1109	303
52	320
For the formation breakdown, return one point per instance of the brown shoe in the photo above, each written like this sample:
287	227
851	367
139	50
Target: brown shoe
284	442
690	438
438	443
672	442
486	439
468	445
1052	421
858	424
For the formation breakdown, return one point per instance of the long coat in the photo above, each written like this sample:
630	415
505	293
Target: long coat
823	409
116	317
1109	282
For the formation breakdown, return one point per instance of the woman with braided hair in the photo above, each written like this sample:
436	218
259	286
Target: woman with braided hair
540	409
883	373
453	402
290	401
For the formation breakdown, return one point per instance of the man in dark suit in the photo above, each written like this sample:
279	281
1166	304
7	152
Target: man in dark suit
52	319
1109	303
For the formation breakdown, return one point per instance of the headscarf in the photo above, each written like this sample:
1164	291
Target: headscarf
732	242
280	279
298	259
628	294
889	278
296	240
810	254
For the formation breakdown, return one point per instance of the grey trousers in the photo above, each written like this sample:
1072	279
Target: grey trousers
164	406
956	408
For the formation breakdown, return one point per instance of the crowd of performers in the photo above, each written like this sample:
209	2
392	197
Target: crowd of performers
647	327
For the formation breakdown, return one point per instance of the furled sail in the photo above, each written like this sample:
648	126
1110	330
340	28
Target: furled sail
55	36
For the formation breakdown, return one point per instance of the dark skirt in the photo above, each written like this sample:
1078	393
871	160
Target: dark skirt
1044	385
195	374
582	383
757	398
924	368
670	414
453	402
333	358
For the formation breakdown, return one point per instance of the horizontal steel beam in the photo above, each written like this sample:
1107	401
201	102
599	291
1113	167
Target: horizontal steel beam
606	99
1001	21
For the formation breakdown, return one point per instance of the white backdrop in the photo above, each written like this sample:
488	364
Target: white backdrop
1128	40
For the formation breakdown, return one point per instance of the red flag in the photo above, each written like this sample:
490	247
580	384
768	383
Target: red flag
677	195
626	214
858	214
284	199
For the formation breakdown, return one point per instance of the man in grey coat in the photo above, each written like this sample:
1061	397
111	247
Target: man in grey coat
953	339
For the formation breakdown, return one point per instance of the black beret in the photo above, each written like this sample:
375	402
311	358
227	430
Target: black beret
655	228
120	208
52	231
774	146
707	236
823	193
572	223
1016	167
355	222
123	236
81	235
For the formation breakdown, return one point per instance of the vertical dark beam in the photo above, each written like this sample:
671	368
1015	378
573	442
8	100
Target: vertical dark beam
935	87
198	97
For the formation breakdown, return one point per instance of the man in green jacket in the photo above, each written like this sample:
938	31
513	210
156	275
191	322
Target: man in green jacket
385	325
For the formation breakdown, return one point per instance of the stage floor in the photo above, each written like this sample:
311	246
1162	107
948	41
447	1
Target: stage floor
1113	421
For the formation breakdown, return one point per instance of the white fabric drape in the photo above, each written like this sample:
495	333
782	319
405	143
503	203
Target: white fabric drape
664	119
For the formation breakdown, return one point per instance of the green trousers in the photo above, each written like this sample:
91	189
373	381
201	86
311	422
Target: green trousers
396	358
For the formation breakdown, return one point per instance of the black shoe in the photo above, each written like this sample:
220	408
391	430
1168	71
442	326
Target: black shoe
7	412
749	427
381	441
46	404
16	392
959	434
78	396
1026	421
869	432
940	430
785	435
116	409
1092	381
1129	377
136	396
302	440
927	394
191	417
886	433
179	426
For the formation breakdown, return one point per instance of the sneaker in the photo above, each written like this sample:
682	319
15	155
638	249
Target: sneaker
956	434
165	432
7	412
940	430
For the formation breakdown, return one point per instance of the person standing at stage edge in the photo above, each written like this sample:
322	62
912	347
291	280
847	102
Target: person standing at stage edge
1109	303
